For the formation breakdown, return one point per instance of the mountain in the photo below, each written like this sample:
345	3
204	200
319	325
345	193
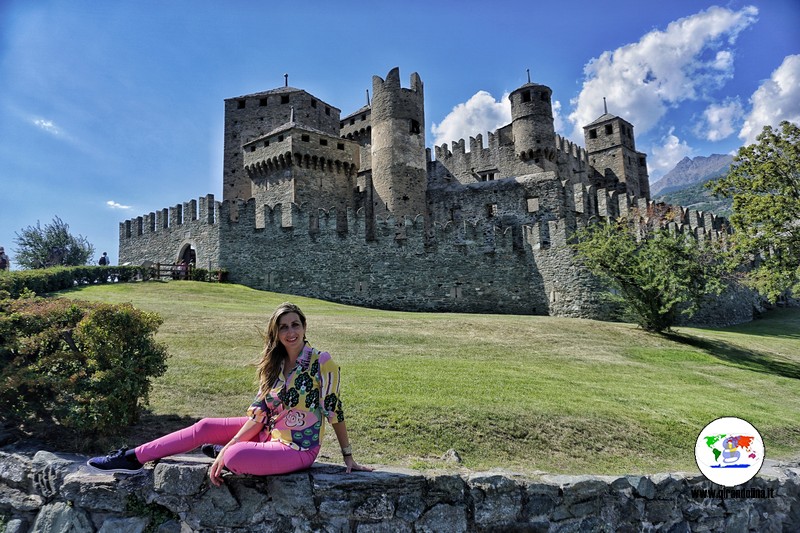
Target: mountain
692	171
699	198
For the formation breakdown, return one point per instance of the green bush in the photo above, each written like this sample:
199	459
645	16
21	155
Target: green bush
86	367
46	280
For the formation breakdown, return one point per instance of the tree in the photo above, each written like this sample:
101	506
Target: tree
656	273
52	245
764	182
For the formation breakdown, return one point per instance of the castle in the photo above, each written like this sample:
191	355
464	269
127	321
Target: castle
357	210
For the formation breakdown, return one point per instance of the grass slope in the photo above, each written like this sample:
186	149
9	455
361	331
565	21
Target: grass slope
521	392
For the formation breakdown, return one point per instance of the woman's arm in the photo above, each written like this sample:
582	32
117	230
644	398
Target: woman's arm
249	430
344	443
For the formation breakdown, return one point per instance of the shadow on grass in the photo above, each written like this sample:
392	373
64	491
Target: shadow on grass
748	359
57	438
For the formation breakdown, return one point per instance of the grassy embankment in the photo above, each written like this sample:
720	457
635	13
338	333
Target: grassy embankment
529	393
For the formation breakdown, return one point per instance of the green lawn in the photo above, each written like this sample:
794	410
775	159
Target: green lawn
518	392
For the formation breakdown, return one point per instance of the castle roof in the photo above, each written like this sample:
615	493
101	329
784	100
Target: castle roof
605	117
529	85
279	90
358	111
289	126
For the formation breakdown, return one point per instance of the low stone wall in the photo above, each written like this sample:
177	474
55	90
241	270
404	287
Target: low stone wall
46	492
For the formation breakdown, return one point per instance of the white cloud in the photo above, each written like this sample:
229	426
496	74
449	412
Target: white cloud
478	115
558	120
114	205
720	120
777	99
643	79
47	125
666	155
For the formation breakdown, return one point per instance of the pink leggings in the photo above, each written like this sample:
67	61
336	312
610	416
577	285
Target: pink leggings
258	457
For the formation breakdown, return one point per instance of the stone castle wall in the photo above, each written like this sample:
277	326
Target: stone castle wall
160	237
54	492
515	260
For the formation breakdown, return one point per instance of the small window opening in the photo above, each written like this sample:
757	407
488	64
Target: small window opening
609	129
285	99
352	121
543	96
323	142
340	146
414	127
593	134
526	96
266	143
280	138
327	110
305	138
240	104
253	148
262	102
491	210
314	104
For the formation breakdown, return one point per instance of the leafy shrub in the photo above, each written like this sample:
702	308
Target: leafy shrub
45	280
83	366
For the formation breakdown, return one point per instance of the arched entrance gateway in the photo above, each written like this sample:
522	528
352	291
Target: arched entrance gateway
188	254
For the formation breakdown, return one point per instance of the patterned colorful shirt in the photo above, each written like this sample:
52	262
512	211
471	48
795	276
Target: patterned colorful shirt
293	409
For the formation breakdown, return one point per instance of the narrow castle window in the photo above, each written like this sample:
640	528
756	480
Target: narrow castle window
285	99
323	142
266	143
253	148
262	102
305	138
491	210
327	110
414	127
314	104
363	116
240	104
526	96
280	138
340	146
609	129
593	134
543	96
352	121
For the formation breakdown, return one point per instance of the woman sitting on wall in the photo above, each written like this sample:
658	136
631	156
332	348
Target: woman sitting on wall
282	432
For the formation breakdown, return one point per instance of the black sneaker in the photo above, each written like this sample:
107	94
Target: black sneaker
115	462
211	450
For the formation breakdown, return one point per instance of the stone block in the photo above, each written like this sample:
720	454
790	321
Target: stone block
136	524
19	500
389	526
14	469
292	494
61	517
95	493
179	479
443	518
497	499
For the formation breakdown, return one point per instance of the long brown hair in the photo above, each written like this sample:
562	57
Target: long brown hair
274	352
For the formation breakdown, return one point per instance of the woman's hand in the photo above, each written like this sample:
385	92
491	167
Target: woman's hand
215	472
353	465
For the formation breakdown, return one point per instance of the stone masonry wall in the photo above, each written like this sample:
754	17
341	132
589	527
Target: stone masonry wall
159	237
43	492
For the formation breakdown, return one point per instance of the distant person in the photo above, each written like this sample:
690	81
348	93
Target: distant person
282	432
5	263
103	259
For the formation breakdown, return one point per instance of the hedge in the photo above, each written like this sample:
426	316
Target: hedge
47	280
84	366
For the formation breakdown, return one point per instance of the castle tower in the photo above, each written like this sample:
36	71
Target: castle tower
399	167
611	148
532	125
252	116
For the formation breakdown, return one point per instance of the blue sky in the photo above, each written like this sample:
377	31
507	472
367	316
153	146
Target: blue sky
110	110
